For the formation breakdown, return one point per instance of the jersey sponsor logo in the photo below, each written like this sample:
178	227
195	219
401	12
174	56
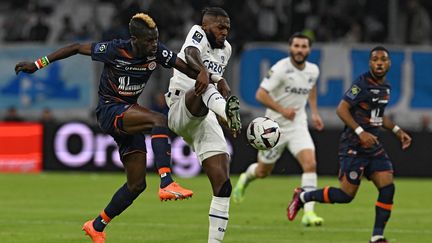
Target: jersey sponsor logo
168	55
297	90
197	36
354	91
214	67
152	65
127	89
101	47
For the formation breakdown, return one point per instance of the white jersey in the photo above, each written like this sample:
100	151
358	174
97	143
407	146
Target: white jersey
214	59
290	87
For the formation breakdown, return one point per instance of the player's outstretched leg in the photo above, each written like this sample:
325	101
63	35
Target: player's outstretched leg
240	188
232	110
162	155
295	205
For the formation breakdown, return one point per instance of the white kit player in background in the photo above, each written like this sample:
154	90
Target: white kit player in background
195	118
289	85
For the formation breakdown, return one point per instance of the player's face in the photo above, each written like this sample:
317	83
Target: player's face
146	45
299	50
217	31
379	63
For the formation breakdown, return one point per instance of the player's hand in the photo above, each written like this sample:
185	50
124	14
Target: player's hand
201	83
27	67
289	113
367	140
223	88
404	138
319	124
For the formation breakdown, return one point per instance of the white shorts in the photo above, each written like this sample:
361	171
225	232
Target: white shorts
295	140
203	134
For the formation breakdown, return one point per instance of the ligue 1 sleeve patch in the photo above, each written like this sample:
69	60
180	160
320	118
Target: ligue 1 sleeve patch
197	36
101	47
355	90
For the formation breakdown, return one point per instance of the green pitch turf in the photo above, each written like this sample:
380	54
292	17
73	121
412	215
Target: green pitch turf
51	207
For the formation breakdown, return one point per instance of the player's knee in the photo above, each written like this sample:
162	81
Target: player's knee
260	173
225	190
137	187
309	166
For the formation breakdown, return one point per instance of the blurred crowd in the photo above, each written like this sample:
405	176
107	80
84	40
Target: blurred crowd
355	21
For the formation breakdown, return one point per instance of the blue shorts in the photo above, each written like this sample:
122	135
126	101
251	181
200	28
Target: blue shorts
355	167
110	120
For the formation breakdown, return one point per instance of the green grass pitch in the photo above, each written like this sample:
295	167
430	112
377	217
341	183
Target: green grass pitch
51	207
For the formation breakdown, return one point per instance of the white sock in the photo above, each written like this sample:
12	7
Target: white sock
218	218
251	171
309	183
214	101
376	237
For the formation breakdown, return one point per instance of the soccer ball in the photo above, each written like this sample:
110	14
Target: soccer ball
263	133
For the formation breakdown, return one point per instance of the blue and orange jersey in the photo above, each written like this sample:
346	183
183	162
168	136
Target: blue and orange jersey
368	99
124	76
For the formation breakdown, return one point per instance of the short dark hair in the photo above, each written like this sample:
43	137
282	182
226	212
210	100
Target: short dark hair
299	35
378	48
140	22
213	11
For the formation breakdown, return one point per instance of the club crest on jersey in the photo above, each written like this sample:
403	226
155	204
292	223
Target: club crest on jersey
197	36
101	47
152	65
355	90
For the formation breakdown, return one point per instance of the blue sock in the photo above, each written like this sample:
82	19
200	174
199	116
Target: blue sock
162	154
122	199
383	208
327	195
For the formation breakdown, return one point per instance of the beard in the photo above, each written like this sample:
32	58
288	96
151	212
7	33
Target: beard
212	39
302	61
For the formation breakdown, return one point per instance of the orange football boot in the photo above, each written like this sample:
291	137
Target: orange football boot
174	191
96	236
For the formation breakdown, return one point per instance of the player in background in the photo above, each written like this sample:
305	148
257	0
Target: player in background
194	117
289	85
128	65
360	151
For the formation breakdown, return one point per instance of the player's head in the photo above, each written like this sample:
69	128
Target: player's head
216	24
379	61
144	35
299	47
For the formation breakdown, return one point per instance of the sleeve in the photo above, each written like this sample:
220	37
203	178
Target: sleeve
272	80
165	56
316	74
103	51
196	38
356	93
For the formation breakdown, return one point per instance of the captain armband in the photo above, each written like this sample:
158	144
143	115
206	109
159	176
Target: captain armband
396	129
42	62
358	130
215	78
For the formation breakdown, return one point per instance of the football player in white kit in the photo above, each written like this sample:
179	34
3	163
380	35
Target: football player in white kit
289	85
195	118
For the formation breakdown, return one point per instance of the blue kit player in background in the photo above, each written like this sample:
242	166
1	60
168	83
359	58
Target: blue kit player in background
360	151
128	66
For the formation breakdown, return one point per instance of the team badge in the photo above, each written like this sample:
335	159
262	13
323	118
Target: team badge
101	47
353	175
152	65
355	90
269	73
197	36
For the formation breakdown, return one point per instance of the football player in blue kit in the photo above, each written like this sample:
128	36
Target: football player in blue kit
128	65
360	151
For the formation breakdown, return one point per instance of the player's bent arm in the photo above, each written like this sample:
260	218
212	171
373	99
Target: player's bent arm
184	68
343	111
264	98
193	59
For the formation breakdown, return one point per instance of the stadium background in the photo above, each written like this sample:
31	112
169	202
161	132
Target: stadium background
343	32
